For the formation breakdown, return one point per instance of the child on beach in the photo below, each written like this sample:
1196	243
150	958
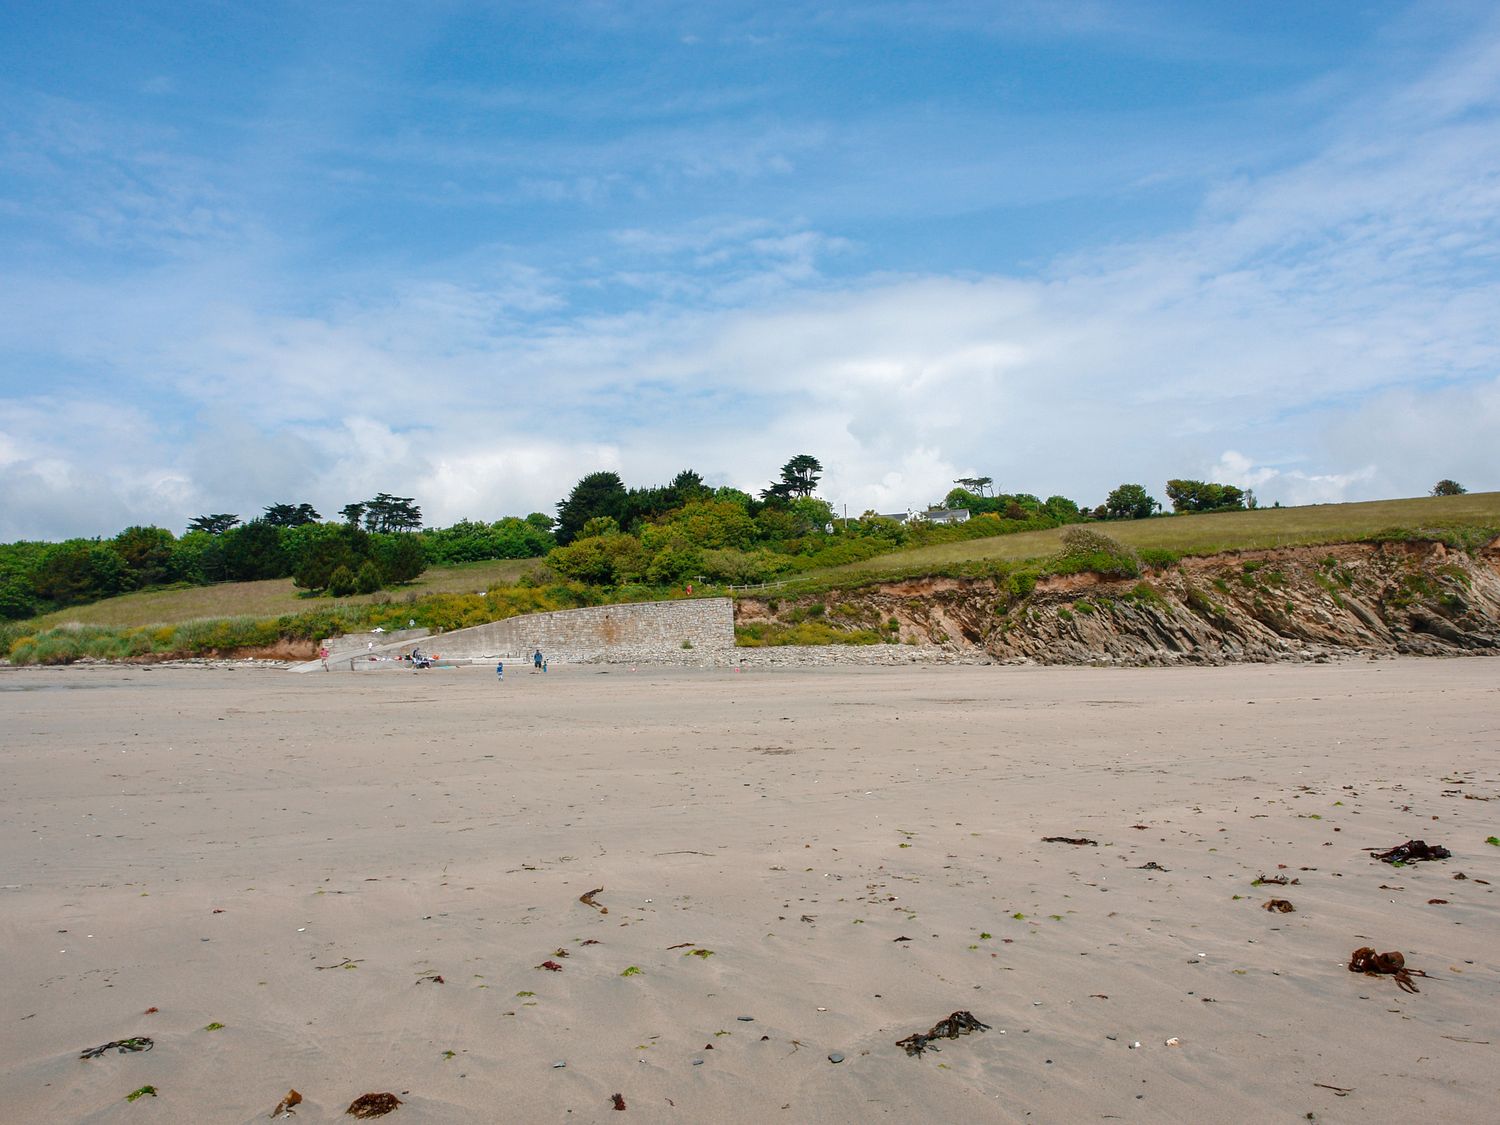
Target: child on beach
500	670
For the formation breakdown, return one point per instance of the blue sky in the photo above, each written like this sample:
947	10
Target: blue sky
469	252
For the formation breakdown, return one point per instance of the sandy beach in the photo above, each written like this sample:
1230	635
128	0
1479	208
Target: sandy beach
845	856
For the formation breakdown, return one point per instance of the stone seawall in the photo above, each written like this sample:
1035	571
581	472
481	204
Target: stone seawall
697	631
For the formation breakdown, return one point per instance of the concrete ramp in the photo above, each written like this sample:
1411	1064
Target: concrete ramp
692	631
342	647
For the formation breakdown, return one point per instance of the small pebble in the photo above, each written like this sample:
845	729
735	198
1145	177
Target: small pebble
746	1019
1174	1042
1112	1037
697	1062
559	1064
836	1056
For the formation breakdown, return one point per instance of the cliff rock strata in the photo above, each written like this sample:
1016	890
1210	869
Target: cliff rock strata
1303	603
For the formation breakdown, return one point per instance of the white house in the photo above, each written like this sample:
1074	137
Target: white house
943	515
932	515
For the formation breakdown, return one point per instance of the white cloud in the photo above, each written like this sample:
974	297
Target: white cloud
1321	332
1290	486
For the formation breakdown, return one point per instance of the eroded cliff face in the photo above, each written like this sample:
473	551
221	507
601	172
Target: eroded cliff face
1304	603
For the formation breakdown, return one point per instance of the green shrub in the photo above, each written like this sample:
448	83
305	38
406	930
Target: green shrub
369	579
1143	593
767	634
69	643
1089	551
342	582
1200	602
1018	584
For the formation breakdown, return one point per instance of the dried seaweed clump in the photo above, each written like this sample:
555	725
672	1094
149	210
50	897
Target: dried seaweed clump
372	1105
124	1046
1411	852
1366	960
959	1023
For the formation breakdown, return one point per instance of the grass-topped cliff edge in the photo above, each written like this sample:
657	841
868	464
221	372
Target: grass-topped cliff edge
271	618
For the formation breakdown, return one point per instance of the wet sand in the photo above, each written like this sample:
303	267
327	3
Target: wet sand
215	844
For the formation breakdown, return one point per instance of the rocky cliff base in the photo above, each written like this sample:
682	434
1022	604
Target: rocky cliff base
1304	603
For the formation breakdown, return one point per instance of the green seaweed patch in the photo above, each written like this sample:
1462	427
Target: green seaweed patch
705	954
1493	841
631	971
215	1026
143	1092
450	1054
1018	915
525	993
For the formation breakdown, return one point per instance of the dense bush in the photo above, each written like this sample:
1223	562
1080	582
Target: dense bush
1204	496
1085	550
769	634
474	541
342	582
368	580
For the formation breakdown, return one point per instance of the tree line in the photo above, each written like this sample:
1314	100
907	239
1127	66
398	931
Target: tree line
604	534
609	534
379	542
1133	502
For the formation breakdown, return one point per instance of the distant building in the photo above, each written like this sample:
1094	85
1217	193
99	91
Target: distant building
932	515
943	515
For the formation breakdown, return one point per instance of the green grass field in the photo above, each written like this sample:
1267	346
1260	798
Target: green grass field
271	598
1185	535
1199	535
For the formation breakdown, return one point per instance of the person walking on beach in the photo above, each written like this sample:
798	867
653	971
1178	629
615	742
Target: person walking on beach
500	670
536	661
323	656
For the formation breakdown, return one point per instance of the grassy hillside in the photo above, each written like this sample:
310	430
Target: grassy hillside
1185	535
271	598
1201	534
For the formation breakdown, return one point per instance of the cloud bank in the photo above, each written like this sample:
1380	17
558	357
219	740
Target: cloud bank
1320	329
